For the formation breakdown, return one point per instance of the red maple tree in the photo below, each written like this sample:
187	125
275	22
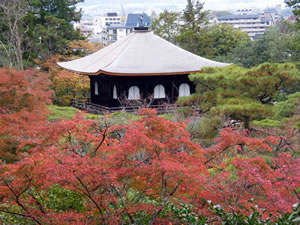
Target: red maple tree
124	171
24	96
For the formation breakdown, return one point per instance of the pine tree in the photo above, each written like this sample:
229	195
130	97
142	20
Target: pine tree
51	26
194	16
242	94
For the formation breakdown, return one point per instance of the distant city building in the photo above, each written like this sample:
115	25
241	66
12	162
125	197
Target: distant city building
105	20
273	14
96	25
113	33
244	12
255	24
86	27
111	27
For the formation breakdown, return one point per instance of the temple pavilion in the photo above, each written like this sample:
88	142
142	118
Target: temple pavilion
140	66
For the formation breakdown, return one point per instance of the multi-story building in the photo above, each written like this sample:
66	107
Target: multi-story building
273	15
255	24
86	27
96	25
114	33
105	20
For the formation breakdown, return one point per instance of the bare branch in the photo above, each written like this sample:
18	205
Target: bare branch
13	13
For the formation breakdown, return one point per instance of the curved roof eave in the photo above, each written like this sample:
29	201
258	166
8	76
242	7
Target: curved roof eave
132	74
143	74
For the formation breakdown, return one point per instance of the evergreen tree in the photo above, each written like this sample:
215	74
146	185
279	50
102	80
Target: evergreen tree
242	94
190	31
225	39
194	16
295	5
193	36
279	44
51	26
36	29
166	25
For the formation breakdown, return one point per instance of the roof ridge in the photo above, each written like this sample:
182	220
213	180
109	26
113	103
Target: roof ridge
119	54
115	46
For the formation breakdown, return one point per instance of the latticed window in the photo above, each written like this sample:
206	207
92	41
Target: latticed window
115	94
184	90
134	93
159	91
96	88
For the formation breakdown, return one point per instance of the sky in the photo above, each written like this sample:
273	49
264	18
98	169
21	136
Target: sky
98	6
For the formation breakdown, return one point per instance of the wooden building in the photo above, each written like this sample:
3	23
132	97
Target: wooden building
141	66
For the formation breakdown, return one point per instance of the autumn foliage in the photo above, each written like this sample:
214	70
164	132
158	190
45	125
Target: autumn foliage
85	171
126	172
66	84
24	96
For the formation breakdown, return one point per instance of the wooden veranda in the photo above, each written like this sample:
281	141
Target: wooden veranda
87	105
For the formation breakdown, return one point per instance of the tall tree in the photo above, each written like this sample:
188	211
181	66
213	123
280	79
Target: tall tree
225	39
32	29
50	24
13	30
167	25
193	36
194	16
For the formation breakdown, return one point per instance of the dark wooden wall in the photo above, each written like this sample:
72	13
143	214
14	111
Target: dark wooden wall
146	85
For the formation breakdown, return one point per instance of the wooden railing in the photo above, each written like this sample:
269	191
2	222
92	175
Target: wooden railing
85	104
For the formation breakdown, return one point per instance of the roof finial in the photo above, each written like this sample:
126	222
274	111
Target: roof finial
141	20
141	27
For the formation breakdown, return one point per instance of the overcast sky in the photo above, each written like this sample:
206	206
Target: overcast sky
96	6
234	4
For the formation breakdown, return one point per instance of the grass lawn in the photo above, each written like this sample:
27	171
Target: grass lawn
68	113
61	112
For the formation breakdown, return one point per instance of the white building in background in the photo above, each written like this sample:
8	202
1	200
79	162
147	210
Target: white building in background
255	24
105	20
86	27
115	32
97	24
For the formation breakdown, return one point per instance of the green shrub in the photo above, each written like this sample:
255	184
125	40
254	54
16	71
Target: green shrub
287	108
61	200
256	217
185	111
185	215
267	123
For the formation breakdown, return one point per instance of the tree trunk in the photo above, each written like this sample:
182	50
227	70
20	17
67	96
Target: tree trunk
13	13
247	123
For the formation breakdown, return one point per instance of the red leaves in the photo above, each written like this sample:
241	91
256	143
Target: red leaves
24	96
140	167
270	187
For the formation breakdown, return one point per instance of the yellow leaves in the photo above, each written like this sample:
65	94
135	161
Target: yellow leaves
68	85
85	46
